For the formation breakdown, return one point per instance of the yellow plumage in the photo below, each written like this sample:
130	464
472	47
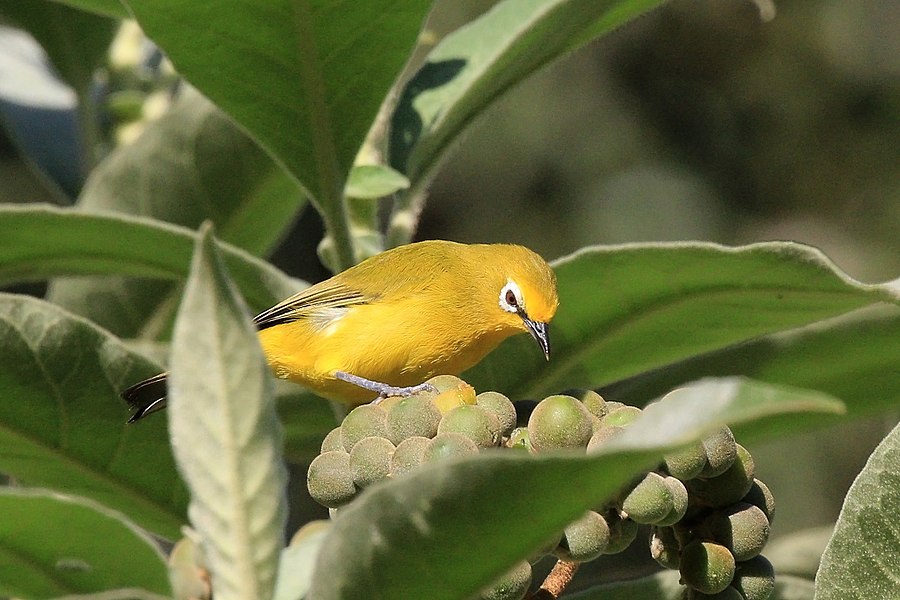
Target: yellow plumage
401	317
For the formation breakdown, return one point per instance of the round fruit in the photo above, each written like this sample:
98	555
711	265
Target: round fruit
412	416
679	501
761	497
729	487
363	421
621	416
707	567
686	463
585	539
332	441
664	547
447	445
602	434
742	528
330	479
755	578
370	460
408	455
511	586
621	533
502	408
559	422
720	452
650	501
592	401
476	423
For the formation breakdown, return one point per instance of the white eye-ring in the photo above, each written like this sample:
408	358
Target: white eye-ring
511	297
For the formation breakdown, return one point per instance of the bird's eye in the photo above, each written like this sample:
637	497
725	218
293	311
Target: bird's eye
511	298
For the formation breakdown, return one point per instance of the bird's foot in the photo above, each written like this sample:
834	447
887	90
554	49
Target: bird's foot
382	389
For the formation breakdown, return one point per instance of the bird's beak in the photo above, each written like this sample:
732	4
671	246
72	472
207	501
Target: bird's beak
538	331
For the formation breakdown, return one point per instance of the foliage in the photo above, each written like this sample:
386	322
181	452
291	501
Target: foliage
283	104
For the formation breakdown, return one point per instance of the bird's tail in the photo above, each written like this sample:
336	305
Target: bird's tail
146	396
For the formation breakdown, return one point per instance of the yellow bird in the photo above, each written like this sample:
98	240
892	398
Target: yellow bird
396	319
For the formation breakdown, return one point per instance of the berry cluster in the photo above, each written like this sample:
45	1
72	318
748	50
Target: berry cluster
709	517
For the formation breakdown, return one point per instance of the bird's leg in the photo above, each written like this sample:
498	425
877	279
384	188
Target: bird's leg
382	389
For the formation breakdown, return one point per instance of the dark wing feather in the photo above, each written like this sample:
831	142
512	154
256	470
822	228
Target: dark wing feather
328	294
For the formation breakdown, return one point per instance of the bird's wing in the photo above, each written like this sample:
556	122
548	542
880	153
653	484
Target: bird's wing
323	297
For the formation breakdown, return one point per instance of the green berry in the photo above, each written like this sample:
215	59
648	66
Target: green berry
612	405
679	501
602	434
476	423
511	586
729	487
559	422
728	593
721	451
408	455
650	501
621	416
707	567
502	408
621	533
363	421
585	539
412	416
519	439
332	441
330	479
664	547
742	528
761	497
592	401
370	460
755	578
447	445
687	462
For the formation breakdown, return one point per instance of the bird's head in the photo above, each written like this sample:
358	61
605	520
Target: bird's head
526	292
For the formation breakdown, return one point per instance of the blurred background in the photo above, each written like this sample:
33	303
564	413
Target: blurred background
704	120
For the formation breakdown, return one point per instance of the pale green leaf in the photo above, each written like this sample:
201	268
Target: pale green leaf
225	432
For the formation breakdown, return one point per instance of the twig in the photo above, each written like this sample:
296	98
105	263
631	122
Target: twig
557	580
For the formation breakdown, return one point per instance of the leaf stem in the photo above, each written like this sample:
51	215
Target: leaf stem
556	581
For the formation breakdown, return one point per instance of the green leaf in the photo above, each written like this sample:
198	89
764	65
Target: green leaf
42	241
627	309
449	529
190	165
374	181
225	433
75	41
109	8
861	560
855	358
53	545
474	65
305	78
659	586
296	566
62	423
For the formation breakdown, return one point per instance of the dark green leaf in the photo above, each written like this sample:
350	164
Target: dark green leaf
855	358
449	529
626	309
473	66
62	423
53	545
42	241
861	561
190	165
225	433
109	8
305	78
